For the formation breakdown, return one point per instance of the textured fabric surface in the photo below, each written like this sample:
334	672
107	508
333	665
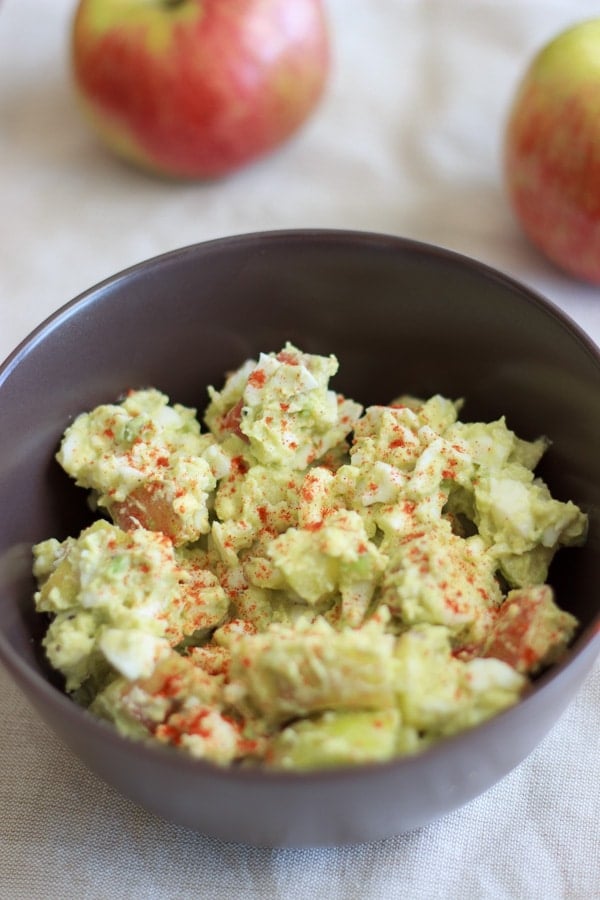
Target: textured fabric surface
406	141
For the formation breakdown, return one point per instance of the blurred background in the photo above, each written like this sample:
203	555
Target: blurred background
407	140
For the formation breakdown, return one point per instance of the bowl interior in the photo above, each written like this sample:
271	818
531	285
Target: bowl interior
400	316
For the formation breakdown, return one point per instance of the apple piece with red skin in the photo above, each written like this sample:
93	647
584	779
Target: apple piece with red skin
552	151
198	88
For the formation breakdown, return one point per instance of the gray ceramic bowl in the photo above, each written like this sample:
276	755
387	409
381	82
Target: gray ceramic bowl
401	316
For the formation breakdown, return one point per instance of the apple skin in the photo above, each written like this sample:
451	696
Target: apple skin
198	88
552	151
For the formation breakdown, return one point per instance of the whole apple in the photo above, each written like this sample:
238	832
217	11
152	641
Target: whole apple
552	151
198	88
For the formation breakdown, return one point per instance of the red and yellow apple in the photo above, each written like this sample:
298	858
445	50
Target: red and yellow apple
198	88
552	151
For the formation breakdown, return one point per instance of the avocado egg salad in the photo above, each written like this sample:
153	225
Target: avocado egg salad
302	583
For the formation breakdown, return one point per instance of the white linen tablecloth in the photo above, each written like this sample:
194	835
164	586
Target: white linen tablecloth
407	141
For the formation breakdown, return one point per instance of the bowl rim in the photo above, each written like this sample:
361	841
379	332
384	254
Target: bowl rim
24	674
384	240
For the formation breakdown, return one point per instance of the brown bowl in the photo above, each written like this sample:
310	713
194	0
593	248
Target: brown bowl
401	316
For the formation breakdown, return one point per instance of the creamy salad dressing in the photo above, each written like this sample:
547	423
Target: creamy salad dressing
305	583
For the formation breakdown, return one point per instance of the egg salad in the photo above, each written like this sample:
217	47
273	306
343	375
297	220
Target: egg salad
300	582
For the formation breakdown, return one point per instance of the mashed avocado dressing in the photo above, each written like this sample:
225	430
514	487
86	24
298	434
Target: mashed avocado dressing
305	583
